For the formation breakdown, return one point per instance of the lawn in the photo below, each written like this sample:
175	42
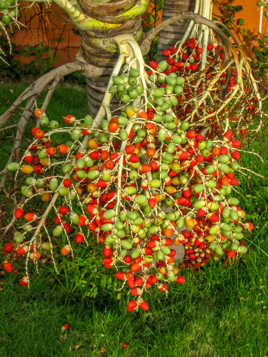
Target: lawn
220	310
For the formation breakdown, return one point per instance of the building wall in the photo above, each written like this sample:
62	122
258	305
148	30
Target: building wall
52	26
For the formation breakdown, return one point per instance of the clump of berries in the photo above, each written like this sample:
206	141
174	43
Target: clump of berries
144	183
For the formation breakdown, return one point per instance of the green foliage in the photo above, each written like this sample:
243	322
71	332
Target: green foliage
84	276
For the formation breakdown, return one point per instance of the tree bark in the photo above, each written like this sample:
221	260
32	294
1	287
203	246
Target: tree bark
98	47
174	32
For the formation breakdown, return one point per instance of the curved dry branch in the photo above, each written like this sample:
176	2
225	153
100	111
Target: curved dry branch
35	89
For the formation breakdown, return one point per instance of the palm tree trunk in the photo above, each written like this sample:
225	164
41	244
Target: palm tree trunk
173	32
98	48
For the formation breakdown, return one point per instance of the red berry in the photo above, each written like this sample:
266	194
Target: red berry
127	259
235	155
63	210
8	248
231	254
144	306
228	135
120	276
180	279
24	281
67	182
18	213
8	267
79	237
132	305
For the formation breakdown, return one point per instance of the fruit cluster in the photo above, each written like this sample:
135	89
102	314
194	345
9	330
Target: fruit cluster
144	183
8	11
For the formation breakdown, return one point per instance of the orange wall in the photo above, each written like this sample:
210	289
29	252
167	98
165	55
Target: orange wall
250	14
52	25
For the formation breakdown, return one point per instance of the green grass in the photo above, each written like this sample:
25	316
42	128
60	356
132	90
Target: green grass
220	311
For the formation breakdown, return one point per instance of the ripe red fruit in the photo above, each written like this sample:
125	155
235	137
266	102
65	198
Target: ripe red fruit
134	158
235	155
127	259
63	210
28	159
228	135
236	143
21	251
231	254
135	292
69	119
131	283
180	279
152	202
214	218
67	182
135	267
120	276
153	64
107	252
79	238
124	345
144	306
8	248
29	216
8	267
24	281
132	305
18	213
65	327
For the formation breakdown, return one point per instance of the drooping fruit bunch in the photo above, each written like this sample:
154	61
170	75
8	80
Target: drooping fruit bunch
143	180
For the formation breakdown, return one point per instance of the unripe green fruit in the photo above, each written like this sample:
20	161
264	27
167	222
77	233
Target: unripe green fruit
57	231
63	191
176	139
53	184
180	223
74	218
219	251
135	253
93	174
12	166
198	188
107	227
109	214
214	230
76	133
184	126
81	174
165	250
180	81
123	134
26	191
67	168
130	190
223	159
162	66
80	163
226	212
18	237
242	249
53	124
126	244
44	121
158	92
233	201
42	154
30	181
141	200
178	90
88	120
